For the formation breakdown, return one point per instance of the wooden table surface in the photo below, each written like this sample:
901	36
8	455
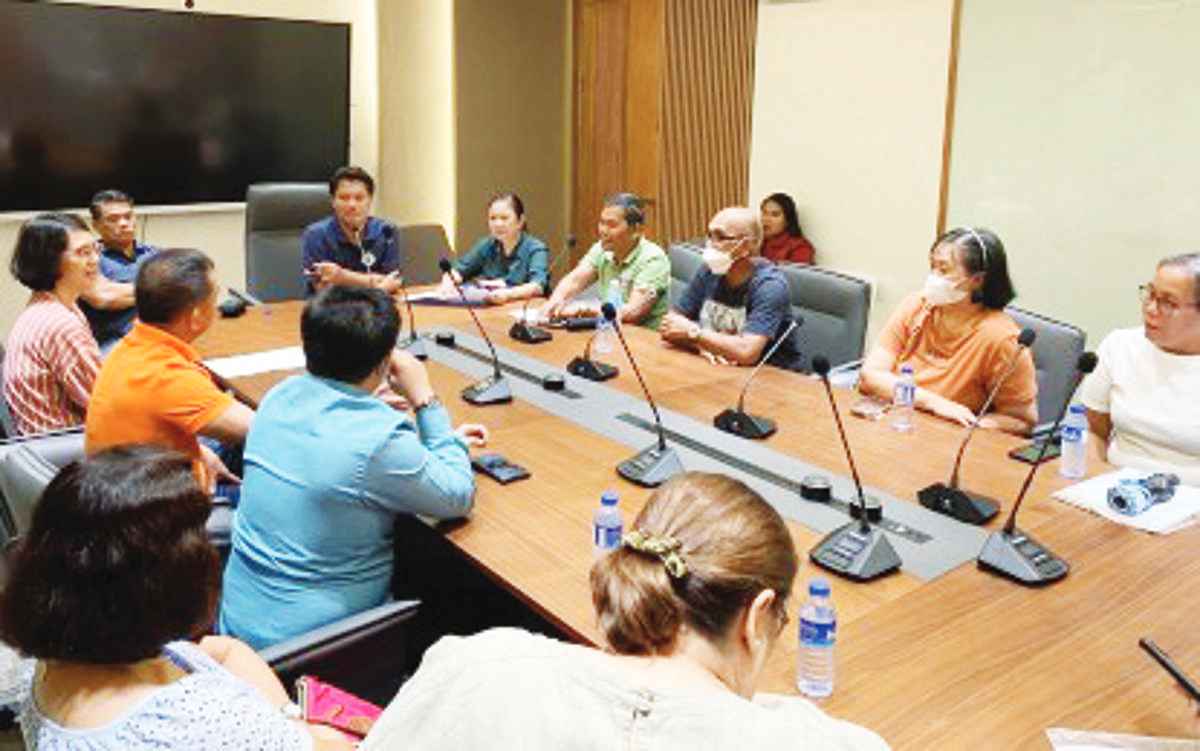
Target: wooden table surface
966	661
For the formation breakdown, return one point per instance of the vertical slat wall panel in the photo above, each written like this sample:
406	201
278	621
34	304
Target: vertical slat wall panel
707	93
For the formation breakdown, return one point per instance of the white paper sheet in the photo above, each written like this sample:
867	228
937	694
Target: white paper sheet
288	358
1162	518
1062	739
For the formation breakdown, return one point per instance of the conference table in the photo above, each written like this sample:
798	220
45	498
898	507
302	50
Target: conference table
963	660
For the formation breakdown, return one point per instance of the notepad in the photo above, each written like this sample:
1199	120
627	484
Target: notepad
1163	518
287	358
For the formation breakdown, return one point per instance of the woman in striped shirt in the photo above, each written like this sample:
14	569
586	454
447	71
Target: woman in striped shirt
51	358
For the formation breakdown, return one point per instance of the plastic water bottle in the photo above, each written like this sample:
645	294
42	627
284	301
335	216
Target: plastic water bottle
818	633
903	397
607	526
605	335
1074	443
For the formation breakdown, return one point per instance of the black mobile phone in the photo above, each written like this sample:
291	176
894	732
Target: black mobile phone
1029	452
498	468
1169	665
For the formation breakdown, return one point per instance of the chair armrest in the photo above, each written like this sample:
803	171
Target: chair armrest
326	640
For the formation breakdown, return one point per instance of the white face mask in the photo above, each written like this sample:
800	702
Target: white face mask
939	290
718	261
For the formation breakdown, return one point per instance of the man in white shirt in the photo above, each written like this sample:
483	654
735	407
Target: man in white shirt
1143	399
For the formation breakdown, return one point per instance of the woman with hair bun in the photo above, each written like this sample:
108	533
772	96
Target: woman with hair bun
691	606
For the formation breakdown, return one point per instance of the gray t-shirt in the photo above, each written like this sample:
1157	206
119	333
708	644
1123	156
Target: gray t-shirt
209	709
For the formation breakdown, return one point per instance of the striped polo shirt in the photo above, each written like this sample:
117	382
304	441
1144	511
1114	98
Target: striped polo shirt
50	363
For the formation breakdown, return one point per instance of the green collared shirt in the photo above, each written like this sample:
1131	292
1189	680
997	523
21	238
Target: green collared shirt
646	268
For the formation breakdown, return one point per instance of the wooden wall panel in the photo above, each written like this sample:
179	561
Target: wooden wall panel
706	107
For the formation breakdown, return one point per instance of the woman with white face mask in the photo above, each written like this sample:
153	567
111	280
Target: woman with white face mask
957	338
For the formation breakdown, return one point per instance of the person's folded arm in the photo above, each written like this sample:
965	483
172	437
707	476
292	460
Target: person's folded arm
231	425
741	349
1100	426
426	472
877	377
105	294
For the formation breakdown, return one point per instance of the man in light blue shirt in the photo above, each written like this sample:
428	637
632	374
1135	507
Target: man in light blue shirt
329	465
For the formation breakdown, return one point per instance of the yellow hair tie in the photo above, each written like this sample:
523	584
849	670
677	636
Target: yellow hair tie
666	548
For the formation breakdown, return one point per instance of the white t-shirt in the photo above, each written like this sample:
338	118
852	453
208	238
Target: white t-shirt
1153	399
507	688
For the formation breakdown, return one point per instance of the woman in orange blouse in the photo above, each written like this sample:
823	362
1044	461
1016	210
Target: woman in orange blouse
783	240
957	338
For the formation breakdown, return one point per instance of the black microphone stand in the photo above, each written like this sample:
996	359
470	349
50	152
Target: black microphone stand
737	420
491	390
414	344
586	367
521	330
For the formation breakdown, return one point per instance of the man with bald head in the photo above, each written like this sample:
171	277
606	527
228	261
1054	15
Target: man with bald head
737	306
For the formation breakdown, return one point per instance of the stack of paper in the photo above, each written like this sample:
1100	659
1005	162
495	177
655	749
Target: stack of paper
288	358
1062	739
1162	518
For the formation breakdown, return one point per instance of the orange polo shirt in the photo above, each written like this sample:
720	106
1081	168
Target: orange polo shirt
153	389
962	366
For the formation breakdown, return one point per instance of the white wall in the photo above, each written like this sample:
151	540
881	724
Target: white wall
219	229
849	106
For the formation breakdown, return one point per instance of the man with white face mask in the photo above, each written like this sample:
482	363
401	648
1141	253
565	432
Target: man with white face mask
738	304
957	338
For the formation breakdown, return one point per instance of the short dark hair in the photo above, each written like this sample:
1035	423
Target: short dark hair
172	282
633	206
1189	262
357	174
107	196
788	207
981	252
37	255
348	331
116	563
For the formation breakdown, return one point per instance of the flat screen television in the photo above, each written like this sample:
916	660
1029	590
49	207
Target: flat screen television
173	108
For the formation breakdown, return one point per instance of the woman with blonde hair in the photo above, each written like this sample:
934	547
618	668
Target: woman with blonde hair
691	606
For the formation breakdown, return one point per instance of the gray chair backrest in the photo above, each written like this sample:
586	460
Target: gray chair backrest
27	469
421	247
685	262
276	215
7	429
835	308
1055	351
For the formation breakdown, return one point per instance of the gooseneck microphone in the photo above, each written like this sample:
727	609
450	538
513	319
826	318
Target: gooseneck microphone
855	550
521	330
655	465
413	344
946	498
493	389
593	370
1014	554
737	420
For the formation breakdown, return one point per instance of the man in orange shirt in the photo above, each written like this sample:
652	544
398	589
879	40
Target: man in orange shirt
152	388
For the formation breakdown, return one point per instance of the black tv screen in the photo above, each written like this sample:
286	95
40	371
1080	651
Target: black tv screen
173	108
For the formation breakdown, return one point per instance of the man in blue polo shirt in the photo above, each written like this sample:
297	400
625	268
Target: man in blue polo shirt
108	304
351	248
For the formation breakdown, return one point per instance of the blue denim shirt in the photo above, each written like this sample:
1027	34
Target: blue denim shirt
108	326
529	262
325	241
328	466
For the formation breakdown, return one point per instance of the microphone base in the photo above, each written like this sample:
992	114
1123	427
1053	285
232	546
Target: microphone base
744	425
493	390
1019	557
651	467
972	509
415	346
523	332
856	554
593	370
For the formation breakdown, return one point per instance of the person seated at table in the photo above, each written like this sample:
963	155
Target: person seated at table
957	338
329	466
783	240
109	304
640	267
510	262
351	248
738	304
51	358
1143	398
152	387
110	590
690	607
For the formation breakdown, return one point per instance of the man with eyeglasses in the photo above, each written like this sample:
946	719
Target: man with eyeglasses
108	303
1143	399
737	305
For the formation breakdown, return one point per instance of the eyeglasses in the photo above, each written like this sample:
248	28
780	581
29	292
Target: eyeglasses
717	236
1165	305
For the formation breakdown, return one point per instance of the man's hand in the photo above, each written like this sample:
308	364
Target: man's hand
325	274
391	283
388	396
215	470
675	328
473	434
408	377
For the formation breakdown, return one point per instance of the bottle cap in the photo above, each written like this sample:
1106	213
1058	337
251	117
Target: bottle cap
906	369
609	498
818	587
1078	409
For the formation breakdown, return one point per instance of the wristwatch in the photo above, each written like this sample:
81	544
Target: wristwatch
694	332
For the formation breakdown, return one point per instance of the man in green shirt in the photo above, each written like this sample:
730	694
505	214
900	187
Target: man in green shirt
640	267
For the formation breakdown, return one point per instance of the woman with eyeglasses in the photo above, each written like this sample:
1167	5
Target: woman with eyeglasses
957	338
690	607
51	357
1143	398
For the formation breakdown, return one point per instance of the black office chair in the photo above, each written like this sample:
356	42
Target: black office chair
276	215
685	261
1055	352
421	247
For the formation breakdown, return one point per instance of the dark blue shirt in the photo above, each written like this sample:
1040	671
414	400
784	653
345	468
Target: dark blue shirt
529	262
325	241
108	326
762	306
